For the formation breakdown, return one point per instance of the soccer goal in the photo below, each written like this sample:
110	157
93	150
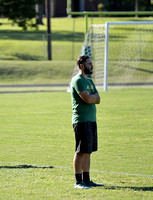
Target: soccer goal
121	52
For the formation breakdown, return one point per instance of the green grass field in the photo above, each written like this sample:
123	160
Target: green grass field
67	38
36	135
37	146
23	54
35	72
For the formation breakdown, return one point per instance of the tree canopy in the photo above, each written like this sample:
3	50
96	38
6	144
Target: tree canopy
20	11
126	5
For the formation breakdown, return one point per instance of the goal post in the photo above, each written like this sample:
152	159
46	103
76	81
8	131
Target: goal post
106	57
121	53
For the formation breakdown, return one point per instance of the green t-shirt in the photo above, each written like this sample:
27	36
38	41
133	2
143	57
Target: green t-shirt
82	111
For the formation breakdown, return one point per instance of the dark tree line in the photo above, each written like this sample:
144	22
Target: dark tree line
127	5
20	11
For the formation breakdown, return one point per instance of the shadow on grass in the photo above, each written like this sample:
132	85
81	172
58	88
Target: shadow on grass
129	188
23	56
41	35
26	167
139	69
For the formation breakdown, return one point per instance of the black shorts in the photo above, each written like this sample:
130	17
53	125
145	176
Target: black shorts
85	137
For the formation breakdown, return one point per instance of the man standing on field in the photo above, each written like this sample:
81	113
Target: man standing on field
84	97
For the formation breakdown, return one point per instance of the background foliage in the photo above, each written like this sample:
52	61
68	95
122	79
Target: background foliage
19	11
126	5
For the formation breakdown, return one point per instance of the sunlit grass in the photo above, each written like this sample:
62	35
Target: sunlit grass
67	38
37	146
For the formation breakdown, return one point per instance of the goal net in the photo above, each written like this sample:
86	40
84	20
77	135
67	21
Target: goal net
121	53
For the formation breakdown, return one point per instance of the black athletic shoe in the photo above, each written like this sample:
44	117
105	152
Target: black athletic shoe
92	184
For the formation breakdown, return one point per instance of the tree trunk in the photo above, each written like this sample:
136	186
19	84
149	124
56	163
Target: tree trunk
136	7
48	14
39	10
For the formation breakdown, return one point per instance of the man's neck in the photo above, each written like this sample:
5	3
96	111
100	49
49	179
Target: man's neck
83	74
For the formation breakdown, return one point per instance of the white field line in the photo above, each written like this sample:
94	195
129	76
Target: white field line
120	173
123	173
62	167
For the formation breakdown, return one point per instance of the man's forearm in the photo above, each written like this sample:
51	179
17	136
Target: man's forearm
90	98
93	99
96	98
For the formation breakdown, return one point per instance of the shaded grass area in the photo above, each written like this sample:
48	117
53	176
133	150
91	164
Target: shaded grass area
38	36
25	167
35	72
37	146
59	72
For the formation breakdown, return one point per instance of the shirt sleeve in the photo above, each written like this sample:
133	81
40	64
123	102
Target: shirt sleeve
80	86
95	89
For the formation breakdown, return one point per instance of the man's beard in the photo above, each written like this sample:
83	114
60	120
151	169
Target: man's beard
87	71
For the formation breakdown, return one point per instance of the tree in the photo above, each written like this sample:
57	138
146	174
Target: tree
20	11
126	5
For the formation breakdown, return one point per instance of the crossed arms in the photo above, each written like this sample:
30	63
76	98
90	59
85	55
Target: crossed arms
90	98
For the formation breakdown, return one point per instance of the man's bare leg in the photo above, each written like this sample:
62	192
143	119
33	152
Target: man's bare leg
86	162
77	163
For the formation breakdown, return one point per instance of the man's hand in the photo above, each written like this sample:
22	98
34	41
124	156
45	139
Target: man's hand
90	98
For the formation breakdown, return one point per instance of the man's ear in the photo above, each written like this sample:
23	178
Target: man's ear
81	66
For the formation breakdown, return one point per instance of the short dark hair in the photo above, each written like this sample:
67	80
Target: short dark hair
82	60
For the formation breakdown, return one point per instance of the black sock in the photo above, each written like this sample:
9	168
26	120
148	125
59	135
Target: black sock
86	177
78	178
